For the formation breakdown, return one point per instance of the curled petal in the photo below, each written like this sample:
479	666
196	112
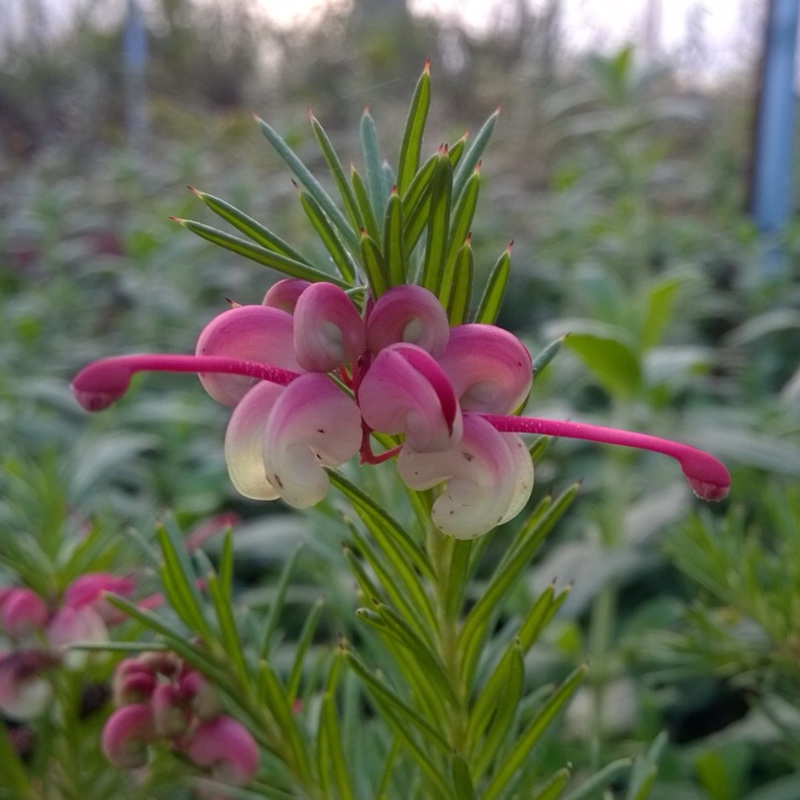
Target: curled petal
489	367
488	476
244	441
408	314
170	717
312	424
284	294
126	734
249	333
25	692
203	697
70	626
328	330
405	391
22	611
89	590
227	747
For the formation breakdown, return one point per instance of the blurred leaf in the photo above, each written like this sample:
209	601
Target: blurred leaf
591	787
661	299
610	359
786	788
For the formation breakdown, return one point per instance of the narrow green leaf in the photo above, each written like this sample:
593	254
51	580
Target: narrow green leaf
301	648
269	258
462	781
420	185
408	162
333	244
611	360
545	356
473	155
438	227
492	298
276	608
373	163
331	744
180	580
365	205
250	227
393	251
591	787
388	700
457	289
314	187
455	152
555	786
390	536
531	735
539	615
274	698
337	170
461	219
646	784
229	635
494	711
374	265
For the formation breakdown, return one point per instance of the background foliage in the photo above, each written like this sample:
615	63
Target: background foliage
623	191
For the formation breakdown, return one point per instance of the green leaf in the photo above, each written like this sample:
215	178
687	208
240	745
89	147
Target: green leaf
470	159
333	244
458	149
373	163
661	299
591	787
313	186
527	740
554	787
374	265
229	635
462	782
13	776
362	198
438	227
393	250
408	162
250	227
301	648
785	788
492	298
276	608
180	581
493	714
333	764
457	288
545	356
336	169
614	364
269	258
461	219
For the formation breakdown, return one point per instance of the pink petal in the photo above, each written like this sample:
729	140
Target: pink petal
250	333
88	590
170	717
70	626
488	476
328	330
284	294
227	747
24	691
126	734
244	442
405	391
22	612
408	314
312	424
489	367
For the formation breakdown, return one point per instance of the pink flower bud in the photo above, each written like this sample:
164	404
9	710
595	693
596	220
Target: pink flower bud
127	734
22	612
203	696
88	590
169	711
227	748
284	294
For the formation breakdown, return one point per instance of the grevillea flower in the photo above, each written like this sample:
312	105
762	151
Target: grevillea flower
227	748
311	378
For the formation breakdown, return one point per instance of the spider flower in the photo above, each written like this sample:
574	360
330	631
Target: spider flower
311	378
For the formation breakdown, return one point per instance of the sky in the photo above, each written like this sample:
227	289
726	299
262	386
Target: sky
727	27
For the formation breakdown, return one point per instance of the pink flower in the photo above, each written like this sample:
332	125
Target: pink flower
22	612
227	748
311	378
25	691
127	734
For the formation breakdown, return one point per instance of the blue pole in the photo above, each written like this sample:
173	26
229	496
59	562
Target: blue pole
134	59
772	179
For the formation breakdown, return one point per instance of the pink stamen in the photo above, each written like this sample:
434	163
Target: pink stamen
705	474
103	382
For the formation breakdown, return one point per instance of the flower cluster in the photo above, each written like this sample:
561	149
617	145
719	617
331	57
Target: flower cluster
160	699
313	381
41	635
